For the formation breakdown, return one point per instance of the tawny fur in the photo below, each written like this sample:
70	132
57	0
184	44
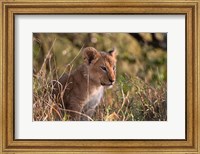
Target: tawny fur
84	87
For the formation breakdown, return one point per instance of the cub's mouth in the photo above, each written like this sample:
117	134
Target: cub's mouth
106	84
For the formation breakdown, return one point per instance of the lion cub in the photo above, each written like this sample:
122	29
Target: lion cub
84	87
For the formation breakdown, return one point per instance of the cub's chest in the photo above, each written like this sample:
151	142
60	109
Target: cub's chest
95	97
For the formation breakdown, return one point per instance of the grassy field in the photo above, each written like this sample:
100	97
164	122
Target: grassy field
140	91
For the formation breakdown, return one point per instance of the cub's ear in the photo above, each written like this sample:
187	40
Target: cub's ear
90	55
113	52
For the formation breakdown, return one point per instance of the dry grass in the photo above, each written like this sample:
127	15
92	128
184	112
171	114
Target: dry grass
134	100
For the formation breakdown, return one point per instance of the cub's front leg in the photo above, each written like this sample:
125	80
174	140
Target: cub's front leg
89	111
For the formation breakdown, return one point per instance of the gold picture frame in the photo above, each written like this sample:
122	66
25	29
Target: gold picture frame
188	8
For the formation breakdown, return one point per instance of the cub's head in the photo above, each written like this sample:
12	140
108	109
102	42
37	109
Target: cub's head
101	66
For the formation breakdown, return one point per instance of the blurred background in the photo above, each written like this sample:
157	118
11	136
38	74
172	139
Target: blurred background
141	62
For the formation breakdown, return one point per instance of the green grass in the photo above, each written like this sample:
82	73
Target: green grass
131	99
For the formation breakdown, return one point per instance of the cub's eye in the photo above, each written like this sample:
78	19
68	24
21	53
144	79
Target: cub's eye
103	68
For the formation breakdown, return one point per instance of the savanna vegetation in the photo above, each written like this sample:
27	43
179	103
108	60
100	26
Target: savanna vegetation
140	91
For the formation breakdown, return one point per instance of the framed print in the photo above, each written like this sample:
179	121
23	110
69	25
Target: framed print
99	76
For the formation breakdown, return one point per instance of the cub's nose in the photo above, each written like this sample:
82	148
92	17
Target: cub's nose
111	80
